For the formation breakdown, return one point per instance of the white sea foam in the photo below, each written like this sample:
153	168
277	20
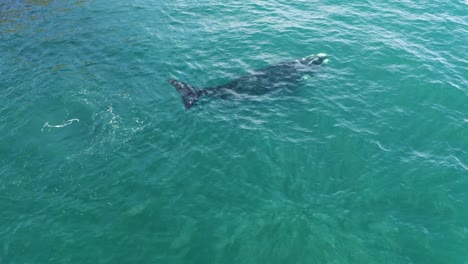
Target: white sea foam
66	123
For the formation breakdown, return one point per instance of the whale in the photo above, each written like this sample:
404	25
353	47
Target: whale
283	75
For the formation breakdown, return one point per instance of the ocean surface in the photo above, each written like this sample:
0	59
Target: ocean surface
365	162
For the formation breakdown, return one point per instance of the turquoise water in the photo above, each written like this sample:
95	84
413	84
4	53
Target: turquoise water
366	162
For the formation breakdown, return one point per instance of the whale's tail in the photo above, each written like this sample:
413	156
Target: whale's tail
189	93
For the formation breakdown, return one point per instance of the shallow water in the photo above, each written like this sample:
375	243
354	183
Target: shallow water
366	162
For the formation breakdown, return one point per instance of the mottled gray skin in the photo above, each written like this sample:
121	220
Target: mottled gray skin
280	76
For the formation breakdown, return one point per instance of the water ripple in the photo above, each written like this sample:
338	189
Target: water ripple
365	162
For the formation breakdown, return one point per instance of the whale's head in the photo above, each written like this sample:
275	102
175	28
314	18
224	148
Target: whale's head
318	59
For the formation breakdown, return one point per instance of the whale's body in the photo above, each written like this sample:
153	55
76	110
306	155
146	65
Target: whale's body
280	76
